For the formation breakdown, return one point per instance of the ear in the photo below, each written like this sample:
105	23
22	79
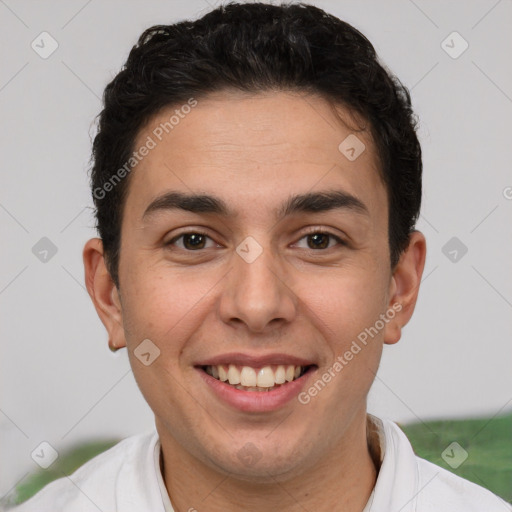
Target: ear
404	286
103	292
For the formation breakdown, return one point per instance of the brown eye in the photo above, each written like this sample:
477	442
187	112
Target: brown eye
192	241
319	240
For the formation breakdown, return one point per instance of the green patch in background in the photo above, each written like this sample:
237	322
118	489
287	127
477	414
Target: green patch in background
67	463
487	442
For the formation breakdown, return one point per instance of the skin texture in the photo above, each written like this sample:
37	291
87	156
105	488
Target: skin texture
254	152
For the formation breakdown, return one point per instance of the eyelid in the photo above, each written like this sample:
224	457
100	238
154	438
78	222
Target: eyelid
319	229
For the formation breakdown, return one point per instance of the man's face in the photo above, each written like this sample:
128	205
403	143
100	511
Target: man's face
254	288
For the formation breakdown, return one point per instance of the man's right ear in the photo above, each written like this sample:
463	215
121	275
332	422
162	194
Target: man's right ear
103	292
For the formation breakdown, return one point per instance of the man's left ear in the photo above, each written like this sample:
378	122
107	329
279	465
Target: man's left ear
404	286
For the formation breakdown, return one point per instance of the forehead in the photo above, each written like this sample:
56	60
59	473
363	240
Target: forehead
256	149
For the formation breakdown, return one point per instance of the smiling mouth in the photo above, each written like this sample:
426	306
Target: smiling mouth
247	378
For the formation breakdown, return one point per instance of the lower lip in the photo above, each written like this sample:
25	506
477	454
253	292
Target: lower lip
256	401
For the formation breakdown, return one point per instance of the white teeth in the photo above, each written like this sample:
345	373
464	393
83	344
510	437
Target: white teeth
233	375
280	376
266	377
223	374
251	379
247	377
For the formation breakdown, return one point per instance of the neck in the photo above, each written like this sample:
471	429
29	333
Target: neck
342	480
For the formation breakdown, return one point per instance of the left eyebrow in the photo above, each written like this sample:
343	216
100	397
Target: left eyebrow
322	202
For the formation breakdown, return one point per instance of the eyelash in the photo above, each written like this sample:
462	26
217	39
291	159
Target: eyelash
309	233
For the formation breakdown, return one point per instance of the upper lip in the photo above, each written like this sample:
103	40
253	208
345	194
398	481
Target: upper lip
255	361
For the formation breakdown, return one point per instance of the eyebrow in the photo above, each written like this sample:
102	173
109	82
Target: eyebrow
322	202
310	202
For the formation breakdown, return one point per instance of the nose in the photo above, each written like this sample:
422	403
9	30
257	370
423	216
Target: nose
258	294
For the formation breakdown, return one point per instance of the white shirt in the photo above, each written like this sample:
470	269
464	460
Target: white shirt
127	478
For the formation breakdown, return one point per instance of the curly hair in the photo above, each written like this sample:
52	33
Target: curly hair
256	47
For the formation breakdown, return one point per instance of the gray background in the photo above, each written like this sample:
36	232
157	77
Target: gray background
59	381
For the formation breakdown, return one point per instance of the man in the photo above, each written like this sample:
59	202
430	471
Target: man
257	179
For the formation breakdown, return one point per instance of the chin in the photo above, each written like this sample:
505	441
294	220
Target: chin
264	465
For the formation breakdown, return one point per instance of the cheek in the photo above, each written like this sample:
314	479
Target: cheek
343	303
161	304
345	312
161	307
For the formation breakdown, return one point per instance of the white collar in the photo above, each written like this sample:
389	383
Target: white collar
158	470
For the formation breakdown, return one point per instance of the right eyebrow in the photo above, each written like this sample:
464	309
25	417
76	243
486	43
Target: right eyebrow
195	203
